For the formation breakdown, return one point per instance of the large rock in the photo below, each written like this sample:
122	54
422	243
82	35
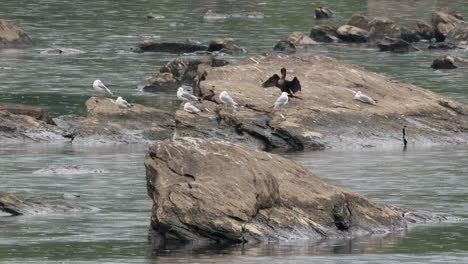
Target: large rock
324	114
359	21
225	45
382	27
107	123
324	33
30	110
293	42
445	21
16	206
349	33
204	190
448	62
396	45
11	36
171	47
424	30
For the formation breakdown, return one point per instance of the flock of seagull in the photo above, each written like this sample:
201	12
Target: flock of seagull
288	88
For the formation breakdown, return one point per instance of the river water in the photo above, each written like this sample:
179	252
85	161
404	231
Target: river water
433	179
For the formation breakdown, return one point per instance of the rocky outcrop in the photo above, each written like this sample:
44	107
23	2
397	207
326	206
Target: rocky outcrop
171	47
349	33
258	197
107	123
11	36
324	33
448	62
322	12
16	206
295	41
324	114
36	112
178	72
396	45
225	45
27	125
62	51
444	22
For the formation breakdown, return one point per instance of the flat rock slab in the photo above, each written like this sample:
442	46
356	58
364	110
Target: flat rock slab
222	192
16	206
325	113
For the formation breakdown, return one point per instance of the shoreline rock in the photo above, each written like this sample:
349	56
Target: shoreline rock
448	62
12	36
324	114
259	197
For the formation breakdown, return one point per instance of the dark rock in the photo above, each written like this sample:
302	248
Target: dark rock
160	81
285	46
445	21
324	33
62	51
154	16
325	114
424	30
359	21
408	35
177	68
448	62
443	46
322	12
171	47
30	110
396	45
225	45
258	197
349	33
11	36
16	206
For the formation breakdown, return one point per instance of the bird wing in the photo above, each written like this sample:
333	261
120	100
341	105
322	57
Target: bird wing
189	96
293	86
102	86
271	81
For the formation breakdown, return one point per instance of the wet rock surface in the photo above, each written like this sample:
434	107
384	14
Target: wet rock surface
16	206
324	114
448	62
11	36
324	33
258	197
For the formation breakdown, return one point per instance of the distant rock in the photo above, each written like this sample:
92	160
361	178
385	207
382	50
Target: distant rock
258	197
285	46
444	46
295	41
396	45
445	21
36	112
424	30
322	13
17	206
62	51
212	15
448	62
11	36
225	45
154	16
360	21
324	33
170	47
349	33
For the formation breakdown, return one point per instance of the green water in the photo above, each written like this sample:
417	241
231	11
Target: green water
431	179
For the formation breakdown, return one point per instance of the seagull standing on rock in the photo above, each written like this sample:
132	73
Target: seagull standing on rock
364	98
225	98
186	96
282	100
101	88
120	102
188	107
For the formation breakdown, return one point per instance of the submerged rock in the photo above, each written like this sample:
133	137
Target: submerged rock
69	170
16	206
448	62
324	33
62	51
324	114
258	197
443	46
225	45
171	47
349	33
396	45
322	12
11	36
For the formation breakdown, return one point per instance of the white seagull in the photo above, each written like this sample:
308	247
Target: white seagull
282	100
186	96
120	102
188	107
225	98
101	88
364	98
